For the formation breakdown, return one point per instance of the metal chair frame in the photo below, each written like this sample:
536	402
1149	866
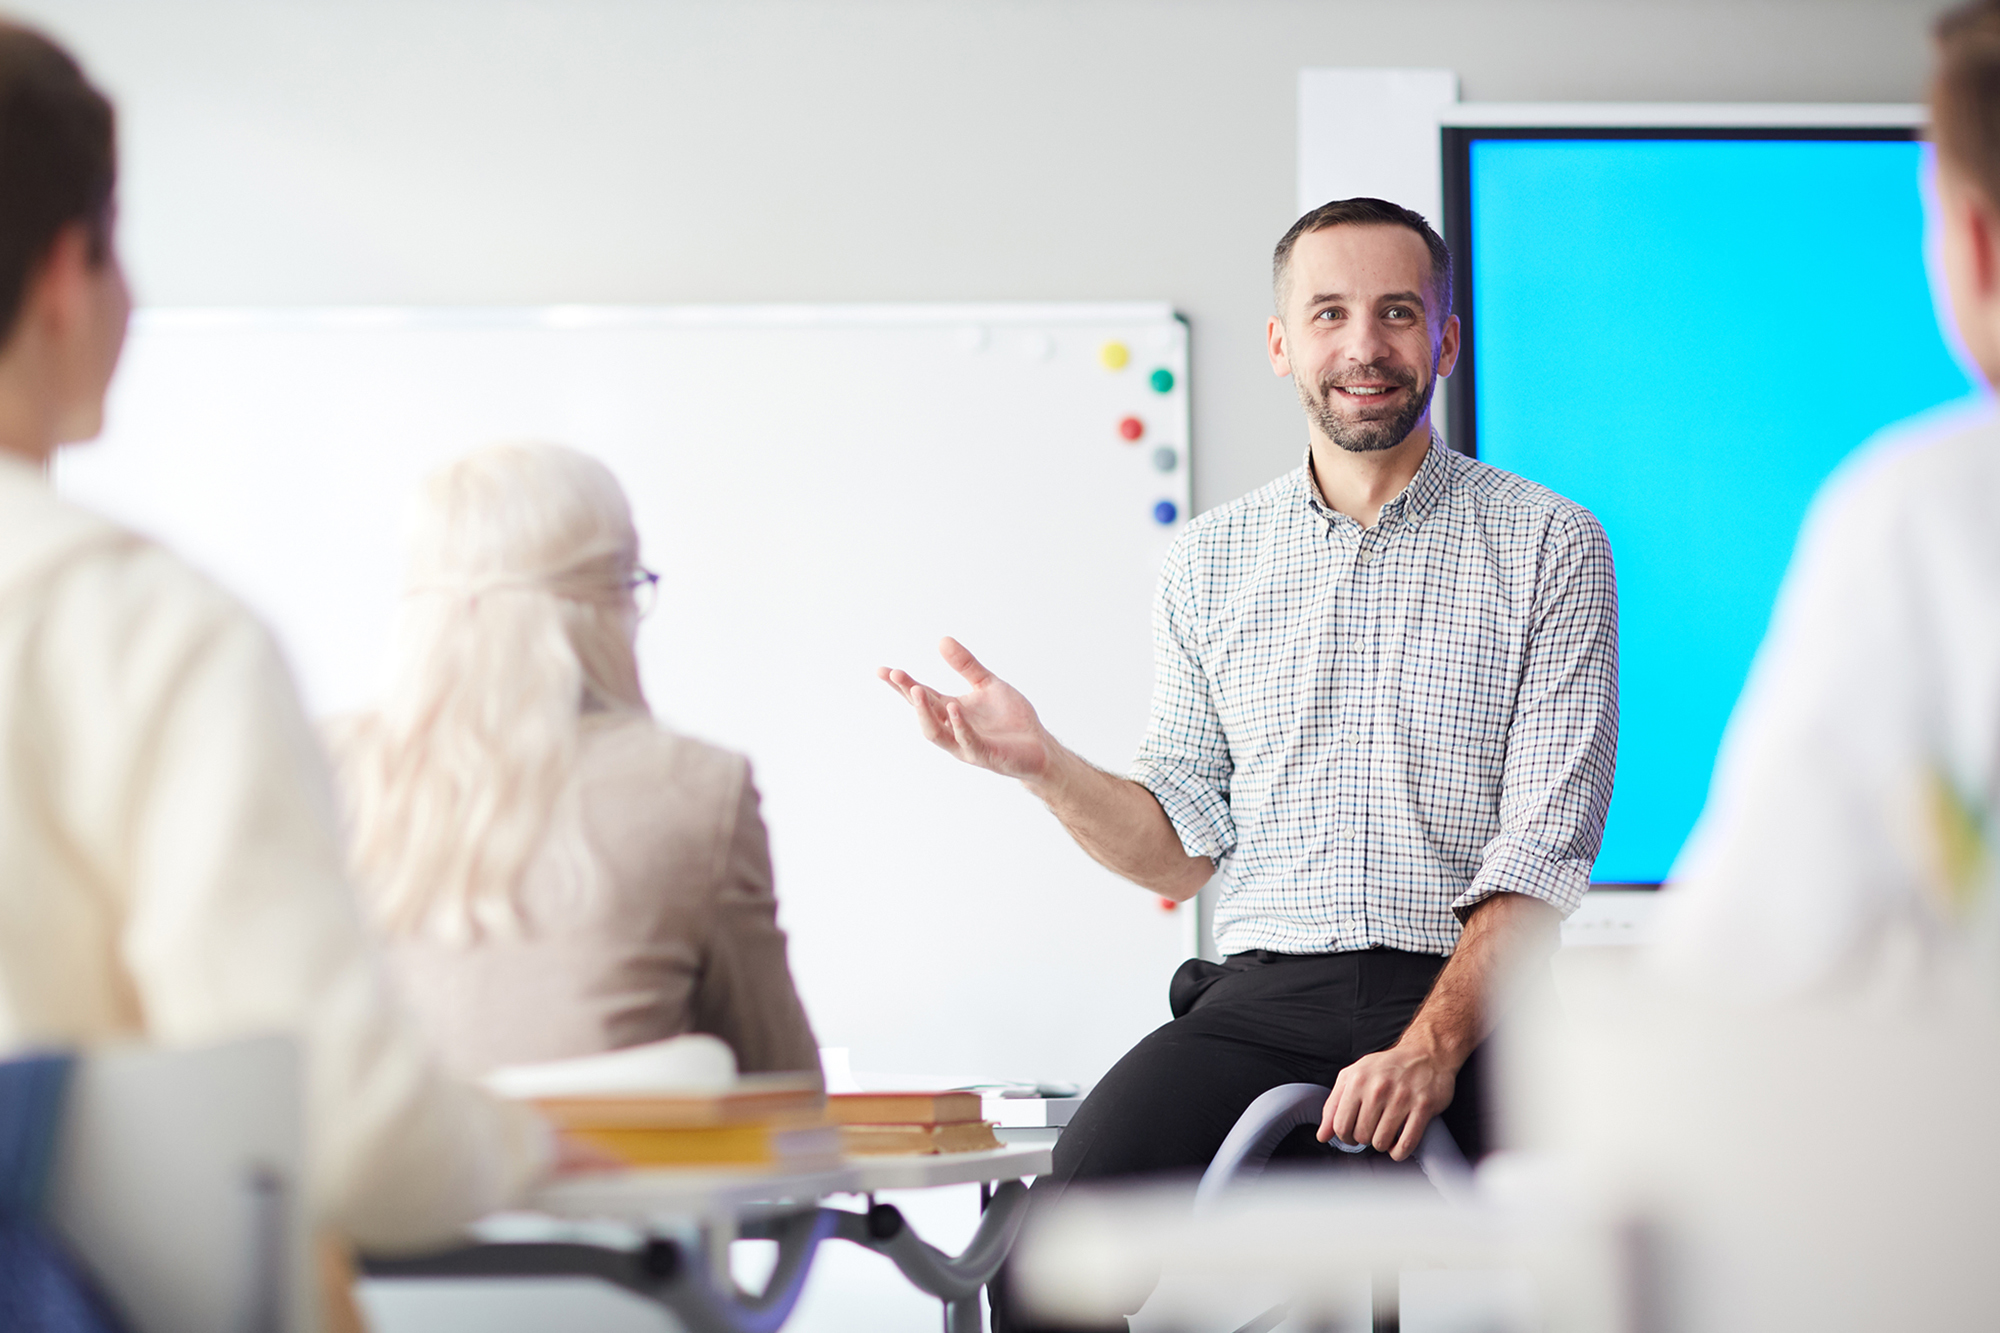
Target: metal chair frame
687	1273
1247	1150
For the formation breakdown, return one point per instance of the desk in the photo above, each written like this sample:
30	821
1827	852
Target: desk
664	1234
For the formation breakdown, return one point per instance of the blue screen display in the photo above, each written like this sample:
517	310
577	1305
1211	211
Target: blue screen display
1686	336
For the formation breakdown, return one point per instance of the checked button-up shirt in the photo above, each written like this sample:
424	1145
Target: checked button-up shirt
1374	729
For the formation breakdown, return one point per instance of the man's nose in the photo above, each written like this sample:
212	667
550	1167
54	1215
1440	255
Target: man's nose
1367	341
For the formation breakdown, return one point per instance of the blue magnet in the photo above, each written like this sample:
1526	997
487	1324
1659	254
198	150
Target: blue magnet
1165	512
1165	459
1162	380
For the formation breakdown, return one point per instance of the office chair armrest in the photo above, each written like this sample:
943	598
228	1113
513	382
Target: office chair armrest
1244	1154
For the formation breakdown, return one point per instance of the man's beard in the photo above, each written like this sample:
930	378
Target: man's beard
1367	437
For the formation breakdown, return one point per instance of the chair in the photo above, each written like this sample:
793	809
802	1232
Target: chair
177	1181
1247	1150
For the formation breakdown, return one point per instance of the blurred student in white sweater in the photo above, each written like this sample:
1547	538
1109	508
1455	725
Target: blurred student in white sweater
1853	824
170	868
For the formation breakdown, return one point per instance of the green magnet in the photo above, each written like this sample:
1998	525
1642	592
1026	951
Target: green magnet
1163	380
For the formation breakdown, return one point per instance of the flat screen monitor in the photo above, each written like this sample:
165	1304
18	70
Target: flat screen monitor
1686	330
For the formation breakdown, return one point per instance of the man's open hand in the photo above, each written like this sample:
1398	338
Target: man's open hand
990	725
1387	1099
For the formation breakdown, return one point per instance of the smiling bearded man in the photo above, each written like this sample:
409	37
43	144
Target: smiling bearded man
1385	708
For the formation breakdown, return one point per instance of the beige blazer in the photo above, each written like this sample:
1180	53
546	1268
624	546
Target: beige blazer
681	935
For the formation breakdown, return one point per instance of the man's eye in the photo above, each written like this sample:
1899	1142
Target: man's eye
1330	314
1398	312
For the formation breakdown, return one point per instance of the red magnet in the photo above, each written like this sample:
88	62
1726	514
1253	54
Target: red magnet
1169	905
1131	428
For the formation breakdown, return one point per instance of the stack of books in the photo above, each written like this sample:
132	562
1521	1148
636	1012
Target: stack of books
880	1123
773	1121
681	1103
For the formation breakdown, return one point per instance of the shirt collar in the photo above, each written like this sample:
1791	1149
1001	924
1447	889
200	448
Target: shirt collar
1416	500
18	471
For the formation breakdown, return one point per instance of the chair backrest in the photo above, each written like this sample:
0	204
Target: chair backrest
178	1180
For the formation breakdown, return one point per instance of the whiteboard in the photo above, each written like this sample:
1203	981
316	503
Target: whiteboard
824	490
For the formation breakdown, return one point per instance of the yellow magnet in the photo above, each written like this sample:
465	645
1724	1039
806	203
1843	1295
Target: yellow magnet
1114	355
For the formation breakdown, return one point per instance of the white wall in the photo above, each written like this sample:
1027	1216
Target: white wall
523	151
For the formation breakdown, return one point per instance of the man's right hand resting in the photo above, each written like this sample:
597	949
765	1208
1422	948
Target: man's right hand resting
993	726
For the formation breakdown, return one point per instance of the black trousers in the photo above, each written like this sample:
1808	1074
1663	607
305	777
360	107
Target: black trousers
1240	1028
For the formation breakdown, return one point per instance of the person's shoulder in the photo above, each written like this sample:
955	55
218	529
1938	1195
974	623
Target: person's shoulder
1941	461
639	745
1922	491
1247	517
1527	510
1501	493
41	533
100	577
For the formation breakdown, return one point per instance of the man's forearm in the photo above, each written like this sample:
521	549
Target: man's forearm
1388	1098
1506	932
1120	824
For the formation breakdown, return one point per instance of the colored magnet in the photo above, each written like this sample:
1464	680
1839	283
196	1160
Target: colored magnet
1131	428
1168	905
1162	380
1165	512
1166	458
1114	355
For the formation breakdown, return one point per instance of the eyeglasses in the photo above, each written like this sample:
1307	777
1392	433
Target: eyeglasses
645	589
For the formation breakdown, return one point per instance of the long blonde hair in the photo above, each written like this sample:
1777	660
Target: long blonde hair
517	618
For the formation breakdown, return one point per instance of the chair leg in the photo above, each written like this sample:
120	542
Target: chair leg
1386	1297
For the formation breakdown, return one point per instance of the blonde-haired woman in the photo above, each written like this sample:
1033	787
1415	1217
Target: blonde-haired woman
555	873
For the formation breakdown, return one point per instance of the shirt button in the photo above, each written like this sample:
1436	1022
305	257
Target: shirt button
1366	556
1356	924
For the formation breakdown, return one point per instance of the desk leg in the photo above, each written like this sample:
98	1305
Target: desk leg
1386	1300
955	1280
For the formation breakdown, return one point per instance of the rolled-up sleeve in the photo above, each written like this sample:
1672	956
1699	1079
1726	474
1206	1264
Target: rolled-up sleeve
1184	760
1563	741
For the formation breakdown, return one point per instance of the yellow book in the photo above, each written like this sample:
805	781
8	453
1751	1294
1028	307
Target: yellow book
883	1140
797	1147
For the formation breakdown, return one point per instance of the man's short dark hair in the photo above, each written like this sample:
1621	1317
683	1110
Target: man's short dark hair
1965	94
58	161
1364	212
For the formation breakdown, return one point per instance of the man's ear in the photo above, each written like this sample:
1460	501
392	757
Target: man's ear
1980	244
58	290
1447	353
1274	337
